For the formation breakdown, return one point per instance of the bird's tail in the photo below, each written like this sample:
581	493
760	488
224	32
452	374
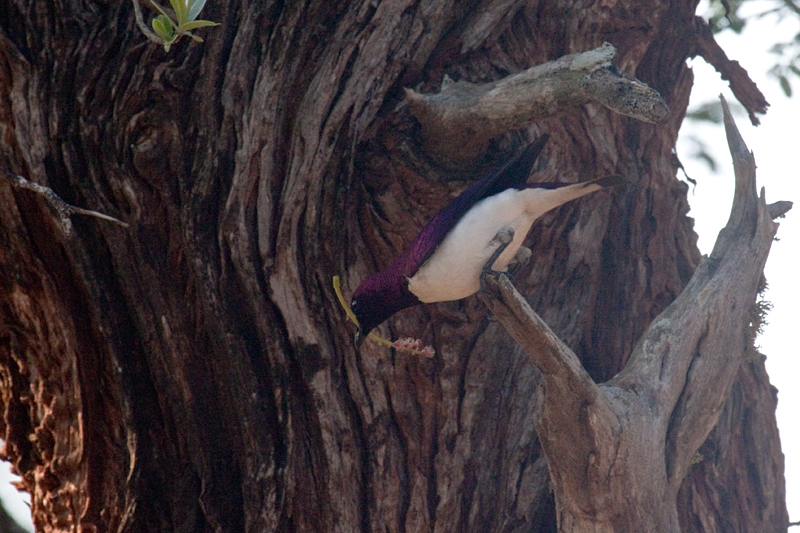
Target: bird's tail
551	195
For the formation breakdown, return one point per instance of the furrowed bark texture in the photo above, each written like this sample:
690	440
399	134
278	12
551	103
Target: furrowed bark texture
194	372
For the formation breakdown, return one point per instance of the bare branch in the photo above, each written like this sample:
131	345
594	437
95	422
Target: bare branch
745	90
459	121
62	208
778	209
548	353
578	425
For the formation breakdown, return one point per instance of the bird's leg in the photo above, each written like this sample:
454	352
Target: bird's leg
522	257
504	237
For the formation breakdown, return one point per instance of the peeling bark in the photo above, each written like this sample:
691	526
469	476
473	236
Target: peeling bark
194	372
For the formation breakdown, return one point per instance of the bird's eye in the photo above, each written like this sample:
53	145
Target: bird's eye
354	305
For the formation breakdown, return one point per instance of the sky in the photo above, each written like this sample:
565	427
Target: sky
774	143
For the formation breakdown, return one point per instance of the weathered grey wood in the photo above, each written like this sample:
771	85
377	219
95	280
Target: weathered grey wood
635	437
459	121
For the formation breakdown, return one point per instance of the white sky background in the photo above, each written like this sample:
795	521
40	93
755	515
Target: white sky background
15	502
776	144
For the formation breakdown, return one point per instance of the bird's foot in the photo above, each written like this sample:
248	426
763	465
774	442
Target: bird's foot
504	237
521	258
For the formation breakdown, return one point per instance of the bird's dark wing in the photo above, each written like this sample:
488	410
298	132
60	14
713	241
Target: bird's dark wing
513	174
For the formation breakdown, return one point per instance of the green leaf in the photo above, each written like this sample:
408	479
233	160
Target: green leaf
777	48
737	25
707	112
197	24
164	16
195	8
160	9
181	11
795	70
162	25
785	85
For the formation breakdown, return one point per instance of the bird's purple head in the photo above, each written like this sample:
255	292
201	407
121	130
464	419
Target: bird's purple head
370	306
377	298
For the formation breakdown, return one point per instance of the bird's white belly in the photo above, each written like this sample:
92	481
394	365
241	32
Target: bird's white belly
453	271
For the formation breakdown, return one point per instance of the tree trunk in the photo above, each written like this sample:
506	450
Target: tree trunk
194	371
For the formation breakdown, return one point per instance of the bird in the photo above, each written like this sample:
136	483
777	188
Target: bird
482	228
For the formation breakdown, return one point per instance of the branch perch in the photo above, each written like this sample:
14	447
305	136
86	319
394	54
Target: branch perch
568	388
459	121
551	356
62	208
648	421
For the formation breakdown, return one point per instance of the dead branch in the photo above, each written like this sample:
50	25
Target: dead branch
779	209
548	353
715	309
62	208
459	121
745	90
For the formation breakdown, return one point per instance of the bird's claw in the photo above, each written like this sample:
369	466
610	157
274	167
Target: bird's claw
521	258
504	237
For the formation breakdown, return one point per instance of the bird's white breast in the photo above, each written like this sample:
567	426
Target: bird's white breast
453	271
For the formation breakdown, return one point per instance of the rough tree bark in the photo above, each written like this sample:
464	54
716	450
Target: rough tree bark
194	372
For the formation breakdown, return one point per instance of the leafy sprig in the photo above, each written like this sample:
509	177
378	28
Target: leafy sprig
186	12
169	29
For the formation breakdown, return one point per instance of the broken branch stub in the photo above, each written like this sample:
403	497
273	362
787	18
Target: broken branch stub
62	208
459	121
745	90
635	436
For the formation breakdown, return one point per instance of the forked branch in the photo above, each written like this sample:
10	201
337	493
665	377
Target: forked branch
651	418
